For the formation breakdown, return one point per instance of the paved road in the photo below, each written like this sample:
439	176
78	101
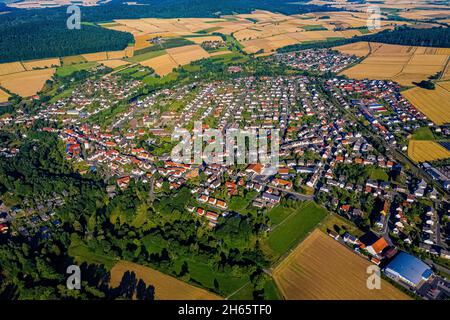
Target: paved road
437	266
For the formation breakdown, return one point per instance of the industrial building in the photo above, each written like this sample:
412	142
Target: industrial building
408	269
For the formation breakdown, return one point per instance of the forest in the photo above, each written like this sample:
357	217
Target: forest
46	37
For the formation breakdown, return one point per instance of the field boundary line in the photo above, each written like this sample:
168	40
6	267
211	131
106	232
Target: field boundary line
446	66
237	290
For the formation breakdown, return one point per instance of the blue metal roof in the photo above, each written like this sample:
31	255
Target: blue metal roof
410	267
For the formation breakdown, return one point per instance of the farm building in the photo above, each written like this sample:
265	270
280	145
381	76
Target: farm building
408	269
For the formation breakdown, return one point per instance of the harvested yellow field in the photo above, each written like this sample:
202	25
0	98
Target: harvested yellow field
11	67
200	40
219	53
41	64
403	64
26	83
129	51
73	60
124	28
428	60
280	41
359	49
166	287
3	96
320	268
444	51
116	54
435	104
374	71
142	41
422	151
95	56
114	63
445	85
162	65
424	14
187	54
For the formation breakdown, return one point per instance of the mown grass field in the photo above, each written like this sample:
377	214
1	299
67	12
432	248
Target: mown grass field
293	225
67	70
423	133
340	225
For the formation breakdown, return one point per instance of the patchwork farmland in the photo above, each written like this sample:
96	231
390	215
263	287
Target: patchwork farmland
321	268
403	64
260	32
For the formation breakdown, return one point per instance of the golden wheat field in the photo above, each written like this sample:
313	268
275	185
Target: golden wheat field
403	64
435	104
26	83
96	56
322	269
162	65
11	67
422	151
166	287
187	54
359	49
41	64
3	96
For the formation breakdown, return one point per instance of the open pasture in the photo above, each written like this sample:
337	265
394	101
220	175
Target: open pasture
291	225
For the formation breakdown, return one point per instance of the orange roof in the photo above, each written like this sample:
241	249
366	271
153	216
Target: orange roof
379	245
255	167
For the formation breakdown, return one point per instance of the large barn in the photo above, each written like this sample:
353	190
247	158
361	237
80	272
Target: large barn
408	269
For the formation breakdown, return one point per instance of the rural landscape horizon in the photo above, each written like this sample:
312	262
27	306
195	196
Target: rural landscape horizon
225	150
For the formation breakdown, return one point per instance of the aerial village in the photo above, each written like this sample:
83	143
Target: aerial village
325	154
